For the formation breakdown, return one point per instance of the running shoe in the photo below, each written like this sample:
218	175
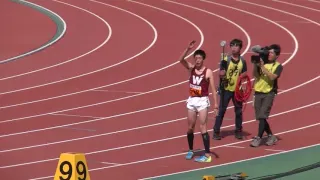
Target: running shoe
203	159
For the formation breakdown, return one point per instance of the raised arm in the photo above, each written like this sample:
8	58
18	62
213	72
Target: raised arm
182	59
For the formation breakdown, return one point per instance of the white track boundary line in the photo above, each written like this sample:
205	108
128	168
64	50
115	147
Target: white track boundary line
133	112
180	154
47	45
161	140
108	67
64	62
248	45
234	162
296	5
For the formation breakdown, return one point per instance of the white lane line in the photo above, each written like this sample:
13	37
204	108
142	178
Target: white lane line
116	91
221	17
102	69
161	140
299	22
181	154
79	129
110	163
275	150
266	19
314	1
239	147
234	162
281	52
75	115
281	11
45	46
64	62
297	5
127	80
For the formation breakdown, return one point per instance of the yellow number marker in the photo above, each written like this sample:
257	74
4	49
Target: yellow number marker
72	166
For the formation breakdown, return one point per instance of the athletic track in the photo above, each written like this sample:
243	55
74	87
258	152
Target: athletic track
112	88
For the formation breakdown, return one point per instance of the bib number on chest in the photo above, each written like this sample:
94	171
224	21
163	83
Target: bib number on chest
195	90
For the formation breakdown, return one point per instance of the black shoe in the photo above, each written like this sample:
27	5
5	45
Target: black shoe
216	136
238	135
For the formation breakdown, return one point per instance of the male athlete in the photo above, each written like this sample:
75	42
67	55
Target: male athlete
265	89
198	102
231	68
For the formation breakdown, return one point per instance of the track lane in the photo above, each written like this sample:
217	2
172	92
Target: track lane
37	27
306	9
7	113
131	167
121	38
47	57
141	135
179	146
176	147
147	81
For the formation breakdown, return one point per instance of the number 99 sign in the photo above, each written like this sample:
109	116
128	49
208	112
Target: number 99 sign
72	168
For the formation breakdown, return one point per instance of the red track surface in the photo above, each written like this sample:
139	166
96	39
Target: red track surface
112	126
22	33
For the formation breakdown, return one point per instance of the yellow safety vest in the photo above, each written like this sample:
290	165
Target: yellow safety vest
263	84
232	73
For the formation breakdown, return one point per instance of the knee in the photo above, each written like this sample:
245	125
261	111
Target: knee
203	128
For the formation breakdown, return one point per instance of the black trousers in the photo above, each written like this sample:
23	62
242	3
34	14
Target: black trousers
263	104
228	95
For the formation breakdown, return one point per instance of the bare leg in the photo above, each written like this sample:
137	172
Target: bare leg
192	118
203	118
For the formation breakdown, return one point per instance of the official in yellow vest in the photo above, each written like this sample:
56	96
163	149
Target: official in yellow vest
265	89
231	68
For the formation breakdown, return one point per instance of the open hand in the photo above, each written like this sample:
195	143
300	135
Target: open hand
191	44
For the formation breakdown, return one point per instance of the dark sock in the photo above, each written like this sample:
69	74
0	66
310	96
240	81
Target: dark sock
267	128
206	142
262	125
190	137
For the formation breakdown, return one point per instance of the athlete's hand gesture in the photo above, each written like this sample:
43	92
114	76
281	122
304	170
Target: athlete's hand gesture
191	44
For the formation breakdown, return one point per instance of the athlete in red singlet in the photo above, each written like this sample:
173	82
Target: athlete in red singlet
199	85
198	103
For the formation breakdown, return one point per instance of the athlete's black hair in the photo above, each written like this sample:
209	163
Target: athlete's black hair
201	53
276	48
237	42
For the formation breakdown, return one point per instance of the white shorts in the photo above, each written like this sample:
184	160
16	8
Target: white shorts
198	103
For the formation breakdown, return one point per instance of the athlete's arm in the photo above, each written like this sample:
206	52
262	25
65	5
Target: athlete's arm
213	88
182	59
